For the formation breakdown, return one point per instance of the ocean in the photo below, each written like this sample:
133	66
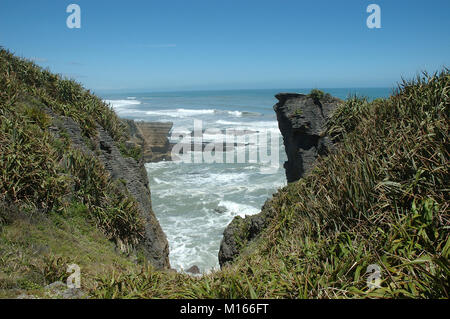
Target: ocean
194	201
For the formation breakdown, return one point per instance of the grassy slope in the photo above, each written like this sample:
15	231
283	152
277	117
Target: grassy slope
35	252
381	198
44	181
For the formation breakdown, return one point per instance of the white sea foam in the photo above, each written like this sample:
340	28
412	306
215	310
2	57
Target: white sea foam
262	124
185	113
235	113
238	209
121	103
159	181
194	204
190	112
180	113
261	127
243	113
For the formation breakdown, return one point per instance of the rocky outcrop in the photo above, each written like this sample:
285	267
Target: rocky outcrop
153	139
193	270
241	231
134	177
199	143
134	174
301	120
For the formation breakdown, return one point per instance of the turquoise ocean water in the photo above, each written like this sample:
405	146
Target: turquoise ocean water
194	202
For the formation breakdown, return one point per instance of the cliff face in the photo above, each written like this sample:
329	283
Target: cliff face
74	157
154	244
132	173
241	231
301	119
152	137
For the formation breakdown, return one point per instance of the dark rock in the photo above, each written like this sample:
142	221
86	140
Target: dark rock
193	270
67	126
241	231
156	247
220	210
302	121
105	147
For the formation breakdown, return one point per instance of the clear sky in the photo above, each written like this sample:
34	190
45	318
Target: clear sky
230	44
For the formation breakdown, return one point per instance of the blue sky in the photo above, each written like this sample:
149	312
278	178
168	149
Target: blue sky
232	44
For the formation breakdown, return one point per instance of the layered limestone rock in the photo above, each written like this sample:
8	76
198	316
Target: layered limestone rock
301	120
134	177
153	139
156	247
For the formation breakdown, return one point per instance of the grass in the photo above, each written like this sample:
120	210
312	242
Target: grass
380	198
318	95
40	171
35	251
133	151
22	78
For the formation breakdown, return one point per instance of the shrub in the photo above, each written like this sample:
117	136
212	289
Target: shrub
39	169
318	95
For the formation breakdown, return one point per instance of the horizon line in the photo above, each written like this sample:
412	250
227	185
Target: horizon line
128	90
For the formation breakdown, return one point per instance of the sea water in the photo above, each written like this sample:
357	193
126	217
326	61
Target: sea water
194	202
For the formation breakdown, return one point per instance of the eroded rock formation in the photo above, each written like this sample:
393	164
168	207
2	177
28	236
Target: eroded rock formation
152	137
301	120
134	176
241	231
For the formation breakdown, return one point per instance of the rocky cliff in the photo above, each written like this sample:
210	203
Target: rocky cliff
73	186
301	120
152	137
156	247
241	231
131	172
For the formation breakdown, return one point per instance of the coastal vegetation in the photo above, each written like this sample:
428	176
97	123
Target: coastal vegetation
318	95
49	190
380	198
